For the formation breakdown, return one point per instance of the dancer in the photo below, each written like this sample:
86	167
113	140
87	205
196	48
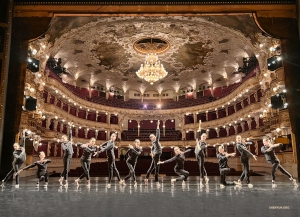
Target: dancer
268	151
245	154
67	157
200	152
41	173
88	150
179	167
19	158
132	159
156	151
223	166
109	148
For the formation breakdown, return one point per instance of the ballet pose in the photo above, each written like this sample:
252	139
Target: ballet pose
179	167
268	151
88	150
200	152
67	157
19	158
156	151
41	173
109	148
132	155
223	166
245	154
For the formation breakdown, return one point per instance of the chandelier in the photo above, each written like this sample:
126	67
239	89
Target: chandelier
152	70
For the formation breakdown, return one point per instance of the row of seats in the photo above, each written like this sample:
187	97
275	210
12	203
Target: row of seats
148	103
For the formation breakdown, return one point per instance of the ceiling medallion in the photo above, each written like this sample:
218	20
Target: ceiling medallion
151	45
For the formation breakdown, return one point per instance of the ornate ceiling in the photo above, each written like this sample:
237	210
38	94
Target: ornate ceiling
99	50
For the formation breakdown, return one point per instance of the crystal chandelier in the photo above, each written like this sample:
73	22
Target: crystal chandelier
152	70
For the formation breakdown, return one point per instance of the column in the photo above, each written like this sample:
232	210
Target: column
207	133
218	132
235	128
160	97
226	109
55	101
48	123
55	123
195	118
107	94
234	108
61	104
61	127
206	115
227	128
242	103
76	131
255	97
77	112
86	114
249	121
164	127
107	118
248	100
256	147
48	98
183	133
69	107
195	134
243	126
217	113
86	130
256	118
96	133
107	134
138	128
97	115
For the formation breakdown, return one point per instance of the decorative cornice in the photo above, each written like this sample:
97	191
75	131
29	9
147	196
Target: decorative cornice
94	2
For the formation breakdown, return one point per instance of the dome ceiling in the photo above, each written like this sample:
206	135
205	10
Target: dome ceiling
100	51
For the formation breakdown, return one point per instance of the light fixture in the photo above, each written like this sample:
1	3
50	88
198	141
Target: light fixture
284	90
152	70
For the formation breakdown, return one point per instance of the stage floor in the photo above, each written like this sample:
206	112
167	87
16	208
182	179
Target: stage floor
166	200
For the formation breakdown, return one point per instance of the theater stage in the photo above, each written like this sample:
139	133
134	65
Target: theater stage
167	200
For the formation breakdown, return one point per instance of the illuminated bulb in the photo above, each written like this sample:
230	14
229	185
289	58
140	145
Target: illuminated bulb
270	105
206	111
279	58
222	106
247	90
187	131
39	75
240	95
249	116
261	115
80	107
79	127
234	99
29	60
257	55
207	130
47	56
284	90
63	120
264	110
224	126
56	91
151	121
228	103
265	74
241	119
31	90
172	120
130	121
43	83
261	83
261	45
274	89
235	122
278	130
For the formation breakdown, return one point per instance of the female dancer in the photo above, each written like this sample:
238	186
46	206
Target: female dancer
68	153
268	151
156	151
109	148
85	160
179	167
223	165
245	154
19	158
132	159
200	152
41	173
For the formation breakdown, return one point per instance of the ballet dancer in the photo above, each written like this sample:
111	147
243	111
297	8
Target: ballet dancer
41	173
19	158
88	150
223	166
156	151
268	150
67	157
109	148
132	155
200	152
179	167
245	154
